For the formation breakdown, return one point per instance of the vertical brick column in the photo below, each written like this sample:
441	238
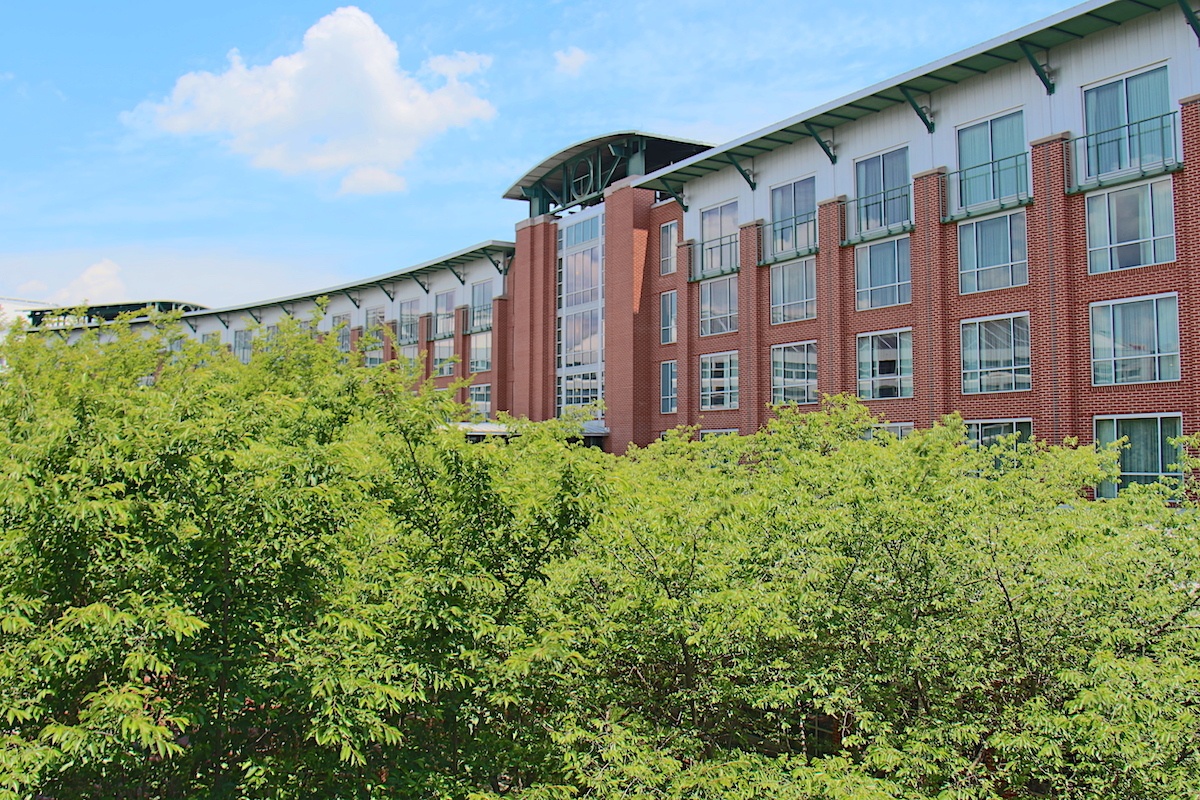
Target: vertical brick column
936	351
687	366
462	321
1187	256
629	388
754	388
834	352
501	353
530	368
424	328
1055	233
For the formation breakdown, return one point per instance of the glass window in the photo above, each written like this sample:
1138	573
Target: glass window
882	274
667	308
719	381
985	433
1131	227
718	306
885	367
410	351
443	352
991	160
481	351
211	338
581	338
794	216
443	313
409	317
1128	123
481	304
794	291
668	387
374	330
991	254
1149	454
341	326
668	241
897	429
881	189
580	389
480	397
243	345
995	354
719	231
1135	341
794	373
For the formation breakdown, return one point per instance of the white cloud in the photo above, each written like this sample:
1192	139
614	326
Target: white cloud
7	76
339	105
99	283
570	61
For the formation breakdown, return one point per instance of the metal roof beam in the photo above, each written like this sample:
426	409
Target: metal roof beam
190	324
462	277
676	196
391	294
745	175
256	317
826	146
352	299
423	284
912	101
1192	19
501	265
1042	73
224	320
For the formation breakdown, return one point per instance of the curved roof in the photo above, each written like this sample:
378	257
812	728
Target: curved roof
1020	45
660	151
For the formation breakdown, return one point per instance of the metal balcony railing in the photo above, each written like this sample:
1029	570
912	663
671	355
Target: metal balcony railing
443	324
994	185
406	330
715	257
1147	147
889	211
481	317
792	236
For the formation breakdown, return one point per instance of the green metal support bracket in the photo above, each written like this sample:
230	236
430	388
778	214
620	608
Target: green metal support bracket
352	299
912	101
501	268
391	293
462	276
745	175
1192	19
676	196
423	284
223	320
190	324
1043	76
812	131
256	317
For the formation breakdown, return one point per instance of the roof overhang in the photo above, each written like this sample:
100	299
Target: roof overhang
102	313
1021	45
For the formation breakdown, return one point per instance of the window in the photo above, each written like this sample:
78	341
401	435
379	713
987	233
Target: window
995	354
991	254
794	373
409	317
1131	227
668	387
243	345
580	389
1129	123
794	217
882	192
581	275
374	329
443	314
211	338
480	398
897	429
991	161
667	308
580	338
481	351
794	291
885	367
718	306
443	352
1149	455
987	432
719	231
668	240
481	305
882	274
719	381
410	351
341	325
1135	341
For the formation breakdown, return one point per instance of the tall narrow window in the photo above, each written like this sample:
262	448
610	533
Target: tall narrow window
718	306
341	326
794	217
995	354
408	316
480	398
443	353
1149	456
991	161
1131	226
793	291
1129	123
668	387
794	373
481	305
1135	341
481	351
668	236
443	313
882	187
991	254
374	330
885	367
719	381
667	308
719	248
243	345
882	274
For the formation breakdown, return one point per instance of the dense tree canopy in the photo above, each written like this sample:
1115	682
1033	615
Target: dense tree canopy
292	579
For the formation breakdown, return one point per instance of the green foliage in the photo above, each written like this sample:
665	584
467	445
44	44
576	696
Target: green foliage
292	579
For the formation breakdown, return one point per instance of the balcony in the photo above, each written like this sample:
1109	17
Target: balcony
791	237
984	188
406	330
718	256
443	325
1127	152
479	318
875	216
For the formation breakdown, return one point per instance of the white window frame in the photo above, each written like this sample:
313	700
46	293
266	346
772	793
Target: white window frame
1162	245
785	309
781	383
1160	357
725	247
479	395
1109	489
374	320
481	357
668	246
728	387
668	315
782	228
443	365
1014	369
243	345
865	295
668	387
716	324
443	318
1017	269
976	426
873	381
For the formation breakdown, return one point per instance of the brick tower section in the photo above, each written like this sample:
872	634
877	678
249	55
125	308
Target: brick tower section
754	319
530	359
833	355
501	353
936	353
630	379
686	352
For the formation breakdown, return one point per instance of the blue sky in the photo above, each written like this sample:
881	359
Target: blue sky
225	152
